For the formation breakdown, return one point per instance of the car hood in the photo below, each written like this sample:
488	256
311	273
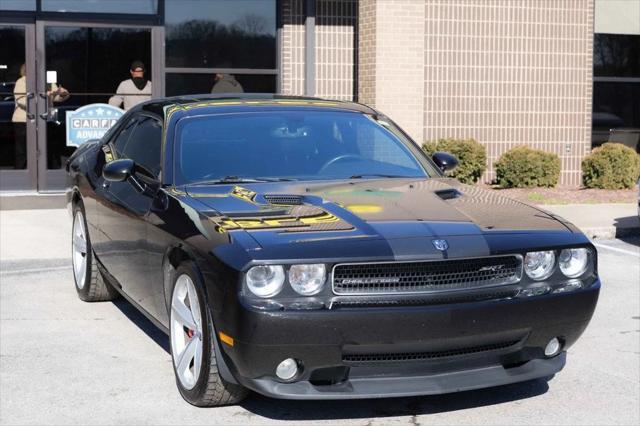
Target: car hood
389	209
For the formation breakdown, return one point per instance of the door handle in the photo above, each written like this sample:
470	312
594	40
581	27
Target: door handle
105	185
31	116
45	114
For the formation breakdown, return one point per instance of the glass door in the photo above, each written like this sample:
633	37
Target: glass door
17	108
83	64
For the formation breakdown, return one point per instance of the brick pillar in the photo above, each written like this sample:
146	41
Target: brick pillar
391	60
292	63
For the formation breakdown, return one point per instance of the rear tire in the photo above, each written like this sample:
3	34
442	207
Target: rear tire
197	375
90	284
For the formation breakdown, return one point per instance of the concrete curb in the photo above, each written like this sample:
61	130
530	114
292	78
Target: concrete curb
610	232
599	221
32	201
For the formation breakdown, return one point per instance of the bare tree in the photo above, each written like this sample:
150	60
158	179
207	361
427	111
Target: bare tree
251	23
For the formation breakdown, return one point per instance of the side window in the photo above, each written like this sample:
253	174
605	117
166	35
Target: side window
144	145
122	138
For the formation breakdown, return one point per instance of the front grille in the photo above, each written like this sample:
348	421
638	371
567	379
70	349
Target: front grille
424	356
425	276
439	300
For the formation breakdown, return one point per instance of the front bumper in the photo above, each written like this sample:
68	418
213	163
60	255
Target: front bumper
323	340
383	387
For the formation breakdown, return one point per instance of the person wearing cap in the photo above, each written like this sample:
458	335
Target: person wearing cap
132	91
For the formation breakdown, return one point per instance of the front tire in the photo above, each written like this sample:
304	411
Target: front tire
192	337
90	285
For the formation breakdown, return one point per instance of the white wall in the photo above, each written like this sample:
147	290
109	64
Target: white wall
617	16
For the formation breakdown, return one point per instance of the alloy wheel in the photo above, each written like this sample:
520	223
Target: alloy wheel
79	250
186	332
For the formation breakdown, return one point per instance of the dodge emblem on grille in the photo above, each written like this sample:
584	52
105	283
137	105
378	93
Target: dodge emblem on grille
441	245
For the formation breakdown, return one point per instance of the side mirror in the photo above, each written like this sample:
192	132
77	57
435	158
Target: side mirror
445	161
118	170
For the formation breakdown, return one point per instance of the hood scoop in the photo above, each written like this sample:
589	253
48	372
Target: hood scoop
448	194
283	200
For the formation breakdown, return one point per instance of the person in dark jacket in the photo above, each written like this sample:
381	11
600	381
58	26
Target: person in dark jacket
226	83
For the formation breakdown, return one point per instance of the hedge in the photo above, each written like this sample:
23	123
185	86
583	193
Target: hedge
524	167
471	155
611	166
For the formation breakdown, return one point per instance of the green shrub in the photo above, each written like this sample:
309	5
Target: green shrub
611	166
471	155
524	167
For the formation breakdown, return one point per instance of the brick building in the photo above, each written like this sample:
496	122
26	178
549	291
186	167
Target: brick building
505	72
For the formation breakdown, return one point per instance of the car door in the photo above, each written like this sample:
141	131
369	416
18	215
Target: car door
103	246
124	209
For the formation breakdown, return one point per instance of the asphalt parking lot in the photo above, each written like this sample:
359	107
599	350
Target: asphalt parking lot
63	361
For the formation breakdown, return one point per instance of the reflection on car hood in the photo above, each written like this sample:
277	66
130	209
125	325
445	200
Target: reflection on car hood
368	205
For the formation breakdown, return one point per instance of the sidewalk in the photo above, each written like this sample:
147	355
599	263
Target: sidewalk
600	220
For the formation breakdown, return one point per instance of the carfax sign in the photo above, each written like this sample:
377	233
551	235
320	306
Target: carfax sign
90	122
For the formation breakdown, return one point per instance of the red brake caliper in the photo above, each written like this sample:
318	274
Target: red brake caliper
190	333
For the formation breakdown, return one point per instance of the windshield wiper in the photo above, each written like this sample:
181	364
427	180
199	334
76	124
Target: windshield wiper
229	179
277	179
378	175
238	179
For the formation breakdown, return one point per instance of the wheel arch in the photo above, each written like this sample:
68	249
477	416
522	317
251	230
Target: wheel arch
174	256
73	198
76	197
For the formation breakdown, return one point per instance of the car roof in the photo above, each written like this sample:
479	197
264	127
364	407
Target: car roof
245	101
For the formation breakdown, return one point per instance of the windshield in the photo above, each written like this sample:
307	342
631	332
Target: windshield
292	145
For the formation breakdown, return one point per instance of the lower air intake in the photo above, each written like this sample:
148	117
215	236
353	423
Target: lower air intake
424	356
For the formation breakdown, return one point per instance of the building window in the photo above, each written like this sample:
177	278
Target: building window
28	5
616	87
616	55
100	6
236	38
188	83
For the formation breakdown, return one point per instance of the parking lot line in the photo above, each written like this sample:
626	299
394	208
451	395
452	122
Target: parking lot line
619	250
34	270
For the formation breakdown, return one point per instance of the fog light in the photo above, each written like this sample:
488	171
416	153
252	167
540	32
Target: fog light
287	369
553	347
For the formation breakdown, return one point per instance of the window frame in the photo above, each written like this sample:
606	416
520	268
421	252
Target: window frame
611	79
139	168
276	72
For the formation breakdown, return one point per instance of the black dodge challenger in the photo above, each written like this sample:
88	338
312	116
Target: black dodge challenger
308	249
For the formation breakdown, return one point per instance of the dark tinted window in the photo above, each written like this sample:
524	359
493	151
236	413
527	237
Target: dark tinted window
294	145
616	55
143	146
90	63
616	104
221	33
122	138
108	6
18	5
189	84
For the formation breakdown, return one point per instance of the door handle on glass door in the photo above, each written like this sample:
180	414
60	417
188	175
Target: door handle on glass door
45	114
30	116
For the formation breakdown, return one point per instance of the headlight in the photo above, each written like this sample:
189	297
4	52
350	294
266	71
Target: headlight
573	262
307	280
539	264
265	280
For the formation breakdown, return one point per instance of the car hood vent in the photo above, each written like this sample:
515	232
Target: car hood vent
283	200
448	194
